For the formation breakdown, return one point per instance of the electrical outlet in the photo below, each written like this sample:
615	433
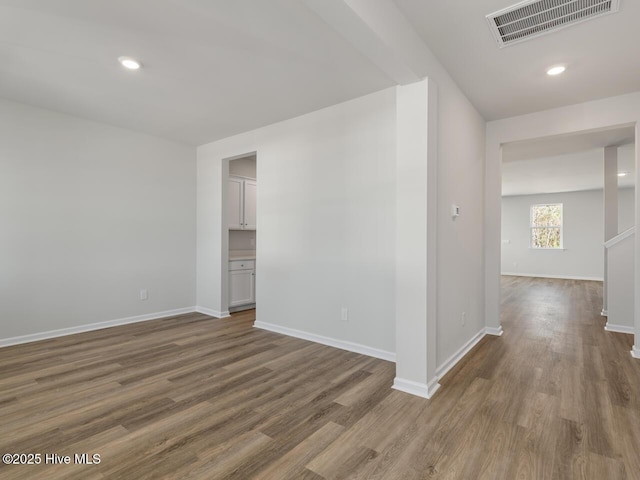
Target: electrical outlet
344	314
464	318
144	294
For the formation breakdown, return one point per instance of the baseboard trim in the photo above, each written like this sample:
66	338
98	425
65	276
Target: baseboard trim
604	313
34	337
635	352
450	362
561	277
242	308
424	390
610	327
212	313
331	342
497	331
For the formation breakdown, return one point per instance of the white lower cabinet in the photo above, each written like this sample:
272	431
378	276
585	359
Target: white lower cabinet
242	282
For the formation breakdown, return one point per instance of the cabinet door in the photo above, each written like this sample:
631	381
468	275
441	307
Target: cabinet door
235	204
250	202
241	287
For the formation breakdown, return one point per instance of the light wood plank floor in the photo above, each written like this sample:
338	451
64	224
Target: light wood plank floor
556	397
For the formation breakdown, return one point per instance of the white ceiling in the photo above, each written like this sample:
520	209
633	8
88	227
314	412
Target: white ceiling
212	68
215	68
601	56
565	163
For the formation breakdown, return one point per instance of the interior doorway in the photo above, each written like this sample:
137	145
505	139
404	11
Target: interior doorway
242	229
565	199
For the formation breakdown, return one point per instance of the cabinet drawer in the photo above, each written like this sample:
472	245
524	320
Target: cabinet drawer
242	265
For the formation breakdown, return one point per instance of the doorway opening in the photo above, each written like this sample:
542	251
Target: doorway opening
568	212
241	209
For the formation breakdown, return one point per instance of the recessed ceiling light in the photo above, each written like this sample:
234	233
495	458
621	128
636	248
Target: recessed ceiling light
557	70
622	174
130	63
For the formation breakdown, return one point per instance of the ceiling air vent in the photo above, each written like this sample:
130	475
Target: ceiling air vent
533	18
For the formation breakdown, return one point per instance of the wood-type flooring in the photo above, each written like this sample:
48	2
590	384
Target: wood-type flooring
556	397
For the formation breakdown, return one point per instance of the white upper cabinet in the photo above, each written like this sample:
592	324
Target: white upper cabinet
235	202
242	204
250	191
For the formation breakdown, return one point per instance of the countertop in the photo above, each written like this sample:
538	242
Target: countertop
242	254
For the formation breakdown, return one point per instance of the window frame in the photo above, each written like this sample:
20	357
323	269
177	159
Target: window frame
561	226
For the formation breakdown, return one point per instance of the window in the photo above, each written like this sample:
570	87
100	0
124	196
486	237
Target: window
546	226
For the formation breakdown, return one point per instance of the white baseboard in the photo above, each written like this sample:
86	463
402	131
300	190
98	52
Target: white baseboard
332	342
424	390
213	313
242	308
34	337
635	352
497	331
610	327
450	362
561	277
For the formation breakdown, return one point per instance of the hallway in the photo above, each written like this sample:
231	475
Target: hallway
577	386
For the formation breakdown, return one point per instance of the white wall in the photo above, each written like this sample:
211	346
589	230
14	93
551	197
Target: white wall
582	256
620	288
461	145
626	208
90	214
326	216
416	238
439	259
583	236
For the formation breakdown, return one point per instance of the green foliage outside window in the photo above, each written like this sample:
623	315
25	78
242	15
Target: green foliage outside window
546	226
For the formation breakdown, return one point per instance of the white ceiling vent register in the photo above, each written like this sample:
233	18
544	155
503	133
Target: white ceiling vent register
533	18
